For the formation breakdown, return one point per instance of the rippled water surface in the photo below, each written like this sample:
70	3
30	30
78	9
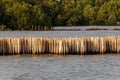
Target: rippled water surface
60	34
95	67
72	67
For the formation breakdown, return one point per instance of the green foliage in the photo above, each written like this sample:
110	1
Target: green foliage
42	14
108	13
89	13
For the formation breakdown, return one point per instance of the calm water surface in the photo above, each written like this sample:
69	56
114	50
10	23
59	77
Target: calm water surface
96	67
60	34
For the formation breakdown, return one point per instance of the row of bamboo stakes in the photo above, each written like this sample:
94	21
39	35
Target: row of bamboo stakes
59	46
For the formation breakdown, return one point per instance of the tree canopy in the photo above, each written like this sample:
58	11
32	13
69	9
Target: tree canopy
44	14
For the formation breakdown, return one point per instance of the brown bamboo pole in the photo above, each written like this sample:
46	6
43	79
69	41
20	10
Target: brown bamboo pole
102	45
15	45
9	45
95	44
88	45
77	43
83	48
34	45
118	44
66	46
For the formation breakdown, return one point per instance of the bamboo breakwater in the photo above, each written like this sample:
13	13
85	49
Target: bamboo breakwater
59	46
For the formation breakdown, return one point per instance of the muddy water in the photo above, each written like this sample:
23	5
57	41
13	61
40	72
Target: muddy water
25	67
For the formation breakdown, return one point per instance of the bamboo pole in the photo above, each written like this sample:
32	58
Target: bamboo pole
83	48
102	45
95	47
118	44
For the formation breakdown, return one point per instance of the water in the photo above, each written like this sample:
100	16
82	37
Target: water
83	28
66	34
29	67
25	67
60	34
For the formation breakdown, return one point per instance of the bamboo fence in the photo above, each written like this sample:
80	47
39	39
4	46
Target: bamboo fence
59	46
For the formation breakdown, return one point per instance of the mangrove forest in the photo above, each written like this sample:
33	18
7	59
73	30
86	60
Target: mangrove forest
45	14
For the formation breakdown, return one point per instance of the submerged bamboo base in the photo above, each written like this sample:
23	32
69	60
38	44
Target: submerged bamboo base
59	46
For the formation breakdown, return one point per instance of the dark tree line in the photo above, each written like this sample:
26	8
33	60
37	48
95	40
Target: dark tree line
44	14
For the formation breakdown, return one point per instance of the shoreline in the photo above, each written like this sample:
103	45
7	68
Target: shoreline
72	29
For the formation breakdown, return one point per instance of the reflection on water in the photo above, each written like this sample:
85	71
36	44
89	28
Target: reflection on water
47	67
